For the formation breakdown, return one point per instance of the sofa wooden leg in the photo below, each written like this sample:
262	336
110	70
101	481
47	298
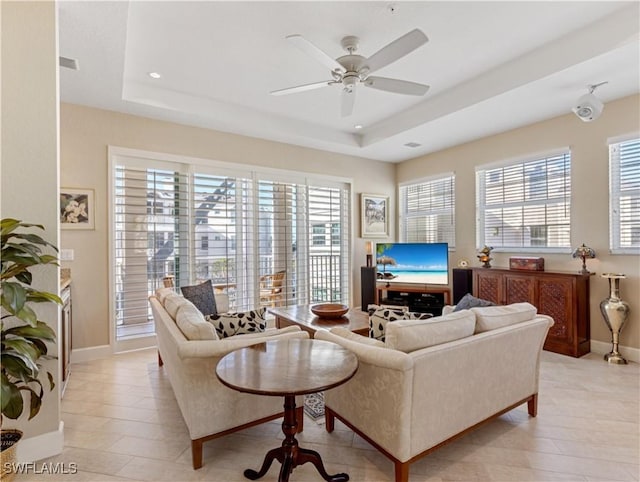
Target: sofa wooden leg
402	471
160	362
329	420
532	405
300	419
196	453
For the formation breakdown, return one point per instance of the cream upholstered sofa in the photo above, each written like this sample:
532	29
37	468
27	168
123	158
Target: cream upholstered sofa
209	408
430	381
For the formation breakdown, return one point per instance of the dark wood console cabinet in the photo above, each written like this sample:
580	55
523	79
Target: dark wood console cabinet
563	296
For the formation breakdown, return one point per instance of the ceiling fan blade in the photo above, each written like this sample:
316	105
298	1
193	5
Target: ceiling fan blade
347	101
397	86
396	49
302	88
307	47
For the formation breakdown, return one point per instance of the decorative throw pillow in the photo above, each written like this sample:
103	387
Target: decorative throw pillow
380	316
408	336
202	296
229	324
468	301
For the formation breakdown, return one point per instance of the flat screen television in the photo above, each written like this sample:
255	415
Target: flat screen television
423	263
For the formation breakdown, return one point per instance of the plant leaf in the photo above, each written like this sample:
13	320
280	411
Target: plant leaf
35	401
22	346
19	366
27	315
52	383
13	296
14	403
41	330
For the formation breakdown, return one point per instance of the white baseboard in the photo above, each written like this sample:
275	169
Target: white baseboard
41	446
601	348
91	353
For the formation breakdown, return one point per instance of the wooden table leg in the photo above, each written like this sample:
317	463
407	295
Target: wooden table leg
290	455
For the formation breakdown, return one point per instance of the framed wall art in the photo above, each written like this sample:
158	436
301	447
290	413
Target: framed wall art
374	213
77	208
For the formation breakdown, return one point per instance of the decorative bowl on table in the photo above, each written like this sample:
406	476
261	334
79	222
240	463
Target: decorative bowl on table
329	310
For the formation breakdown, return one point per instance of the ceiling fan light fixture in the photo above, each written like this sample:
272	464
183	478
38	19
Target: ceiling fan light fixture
155	75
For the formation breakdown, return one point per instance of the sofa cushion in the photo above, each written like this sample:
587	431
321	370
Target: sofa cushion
379	316
202	296
193	325
408	336
492	317
238	323
172	302
469	301
162	293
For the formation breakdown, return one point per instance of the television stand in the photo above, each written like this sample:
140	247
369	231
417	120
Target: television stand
417	297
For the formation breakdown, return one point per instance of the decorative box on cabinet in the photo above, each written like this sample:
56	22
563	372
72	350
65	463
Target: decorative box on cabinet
561	295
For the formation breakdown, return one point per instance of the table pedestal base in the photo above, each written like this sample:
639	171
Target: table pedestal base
290	455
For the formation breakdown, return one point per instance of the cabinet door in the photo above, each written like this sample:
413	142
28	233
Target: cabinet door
519	289
555	298
488	285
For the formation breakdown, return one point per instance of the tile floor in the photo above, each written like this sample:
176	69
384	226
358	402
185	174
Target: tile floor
122	423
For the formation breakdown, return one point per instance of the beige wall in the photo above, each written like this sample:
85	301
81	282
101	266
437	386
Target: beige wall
590	197
30	162
86	133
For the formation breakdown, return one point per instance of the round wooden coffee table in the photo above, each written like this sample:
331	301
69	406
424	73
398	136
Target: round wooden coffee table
287	368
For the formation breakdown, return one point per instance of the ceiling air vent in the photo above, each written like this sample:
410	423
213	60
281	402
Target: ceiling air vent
68	63
412	144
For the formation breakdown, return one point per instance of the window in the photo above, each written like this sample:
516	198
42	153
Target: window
319	235
624	196
525	204
150	232
428	211
195	223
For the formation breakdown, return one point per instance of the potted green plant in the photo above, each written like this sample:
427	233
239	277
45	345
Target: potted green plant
23	336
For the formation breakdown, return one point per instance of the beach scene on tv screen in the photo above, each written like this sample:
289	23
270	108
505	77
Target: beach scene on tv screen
426	263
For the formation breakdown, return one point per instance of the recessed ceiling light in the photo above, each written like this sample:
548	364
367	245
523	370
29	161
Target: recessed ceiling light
412	144
357	126
154	75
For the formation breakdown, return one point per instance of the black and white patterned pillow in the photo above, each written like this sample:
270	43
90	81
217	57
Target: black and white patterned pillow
380	316
238	323
202	296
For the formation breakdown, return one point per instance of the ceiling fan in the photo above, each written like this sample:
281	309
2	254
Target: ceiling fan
352	69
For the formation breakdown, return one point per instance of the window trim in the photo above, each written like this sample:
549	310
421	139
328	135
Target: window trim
414	182
191	165
614	197
480	193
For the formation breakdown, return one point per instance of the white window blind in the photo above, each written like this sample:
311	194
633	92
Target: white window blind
252	237
428	211
624	196
526	204
151	240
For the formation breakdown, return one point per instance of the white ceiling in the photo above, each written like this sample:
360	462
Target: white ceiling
492	66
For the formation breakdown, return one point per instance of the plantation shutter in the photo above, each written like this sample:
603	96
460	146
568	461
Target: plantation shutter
525	204
329	264
624	182
271	243
151	231
269	238
428	211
